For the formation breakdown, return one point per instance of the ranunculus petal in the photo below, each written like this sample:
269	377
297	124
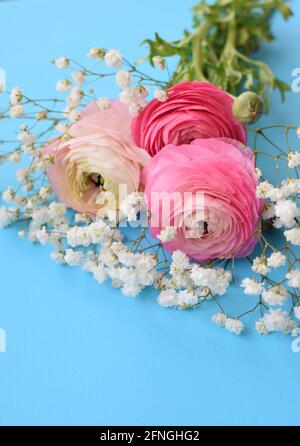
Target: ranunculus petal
193	110
101	144
223	171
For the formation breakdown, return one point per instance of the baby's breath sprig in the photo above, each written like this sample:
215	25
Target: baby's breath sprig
100	247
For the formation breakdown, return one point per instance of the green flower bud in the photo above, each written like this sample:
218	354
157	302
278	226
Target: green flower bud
248	108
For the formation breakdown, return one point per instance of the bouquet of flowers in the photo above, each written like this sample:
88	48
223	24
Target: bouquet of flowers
166	192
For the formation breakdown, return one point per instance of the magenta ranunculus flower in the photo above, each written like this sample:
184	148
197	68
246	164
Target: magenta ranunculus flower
206	189
193	110
101	155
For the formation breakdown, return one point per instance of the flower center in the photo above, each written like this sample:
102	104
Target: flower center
97	179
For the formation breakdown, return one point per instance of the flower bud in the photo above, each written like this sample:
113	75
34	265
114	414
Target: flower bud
248	108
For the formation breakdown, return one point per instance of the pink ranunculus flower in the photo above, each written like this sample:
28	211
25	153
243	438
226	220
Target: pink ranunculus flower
99	156
207	190
193	110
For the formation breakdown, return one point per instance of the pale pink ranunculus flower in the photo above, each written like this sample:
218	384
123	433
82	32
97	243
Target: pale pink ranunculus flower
193	110
99	156
223	221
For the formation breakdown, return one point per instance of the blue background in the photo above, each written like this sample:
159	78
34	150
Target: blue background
80	353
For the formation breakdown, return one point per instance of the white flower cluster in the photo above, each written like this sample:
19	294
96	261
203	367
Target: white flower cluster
98	232
191	284
282	206
131	272
135	98
7	216
167	234
276	321
15	98
97	244
233	325
132	206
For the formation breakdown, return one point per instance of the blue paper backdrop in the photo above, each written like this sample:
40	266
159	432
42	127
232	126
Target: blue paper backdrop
80	353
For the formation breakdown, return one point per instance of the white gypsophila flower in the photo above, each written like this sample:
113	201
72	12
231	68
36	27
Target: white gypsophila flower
79	77
43	236
73	258
103	103
268	211
82	218
258	172
57	210
131	290
293	236
26	137
7	216
278	194
220	319
216	279
45	193
88	265
16	96
16	111
278	321
293	278
264	189
297	312
276	260
100	232
276	295
123	78
74	115
99	274
78	236
286	211
28	185
113	58
107	257
135	98
62	62
15	157
168	298
187	299
146	271
58	257
290	186
128	258
75	97
159	62
180	263
41	216
234	326
8	195
294	159
167	234
260	326
133	205
96	53
260	266
181	279
61	128
63	85
161	95
251	287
